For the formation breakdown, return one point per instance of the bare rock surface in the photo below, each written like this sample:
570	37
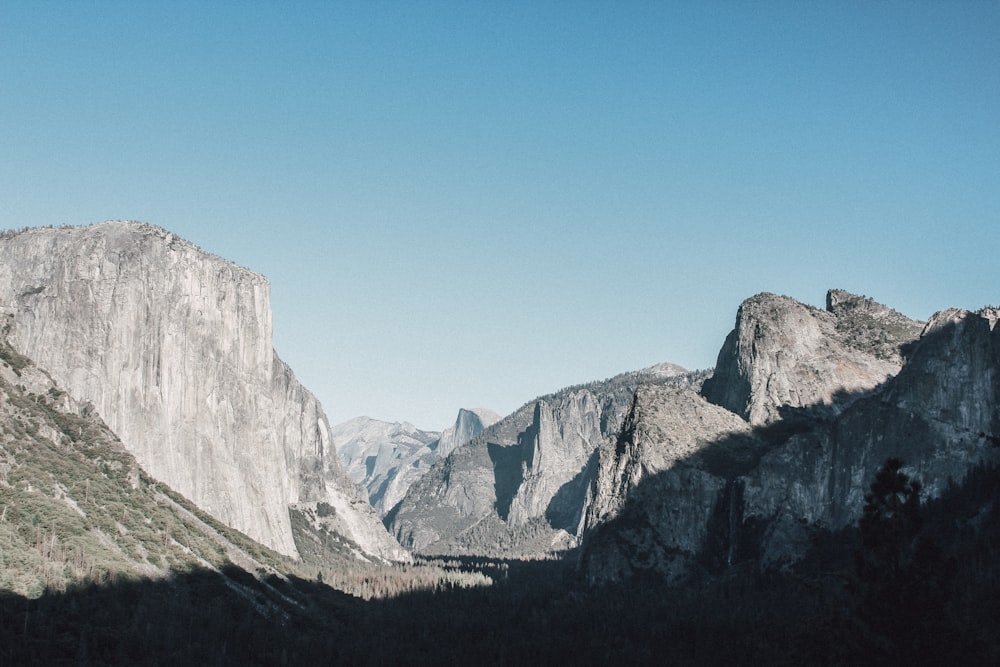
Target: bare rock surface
691	487
522	486
783	353
173	346
386	458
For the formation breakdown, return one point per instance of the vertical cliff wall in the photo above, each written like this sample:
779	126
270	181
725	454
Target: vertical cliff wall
387	458
784	354
809	419
173	347
522	486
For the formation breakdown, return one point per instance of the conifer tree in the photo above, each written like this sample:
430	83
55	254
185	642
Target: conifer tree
902	579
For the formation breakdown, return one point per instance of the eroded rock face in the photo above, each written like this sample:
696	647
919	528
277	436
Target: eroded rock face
375	452
784	354
666	428
688	489
173	346
387	458
656	488
523	485
938	415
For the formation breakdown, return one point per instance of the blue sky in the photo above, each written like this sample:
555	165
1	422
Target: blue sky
470	204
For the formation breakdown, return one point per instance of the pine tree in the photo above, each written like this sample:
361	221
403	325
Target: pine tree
902	579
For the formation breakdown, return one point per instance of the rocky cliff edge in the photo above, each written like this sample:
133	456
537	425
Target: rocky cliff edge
173	346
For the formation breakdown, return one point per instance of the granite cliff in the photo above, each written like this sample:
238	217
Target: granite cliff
522	486
387	458
78	508
785	439
784	354
173	348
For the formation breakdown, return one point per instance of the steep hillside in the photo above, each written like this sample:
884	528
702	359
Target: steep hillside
387	458
173	348
102	564
698	525
75	506
522	486
691	487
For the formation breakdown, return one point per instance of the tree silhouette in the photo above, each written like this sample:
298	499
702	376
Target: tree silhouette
902	579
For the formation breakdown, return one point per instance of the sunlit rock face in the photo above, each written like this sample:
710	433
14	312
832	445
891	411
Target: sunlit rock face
784	354
939	415
666	430
690	487
522	486
173	347
386	458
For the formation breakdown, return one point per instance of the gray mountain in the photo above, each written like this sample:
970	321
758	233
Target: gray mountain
77	507
387	458
173	347
785	439
784	354
522	486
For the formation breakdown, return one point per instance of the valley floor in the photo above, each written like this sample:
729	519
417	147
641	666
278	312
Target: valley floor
537	613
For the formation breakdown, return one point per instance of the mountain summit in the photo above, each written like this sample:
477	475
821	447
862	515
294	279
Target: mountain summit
387	458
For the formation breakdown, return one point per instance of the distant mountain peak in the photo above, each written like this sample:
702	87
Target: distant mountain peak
386	458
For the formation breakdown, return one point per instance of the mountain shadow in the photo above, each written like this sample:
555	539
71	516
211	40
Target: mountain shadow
539	612
761	492
567	505
202	617
508	474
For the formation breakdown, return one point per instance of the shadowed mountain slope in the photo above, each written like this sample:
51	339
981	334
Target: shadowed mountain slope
522	485
677	498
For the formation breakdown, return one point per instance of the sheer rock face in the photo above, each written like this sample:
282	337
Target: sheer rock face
52	448
375	453
468	424
387	458
939	415
687	488
173	347
666	429
523	485
784	354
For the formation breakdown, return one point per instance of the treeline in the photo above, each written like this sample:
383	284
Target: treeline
913	584
11	233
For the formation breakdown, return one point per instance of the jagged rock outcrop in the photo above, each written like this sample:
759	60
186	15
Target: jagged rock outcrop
938	415
784	354
387	458
666	428
173	346
756	489
523	485
373	452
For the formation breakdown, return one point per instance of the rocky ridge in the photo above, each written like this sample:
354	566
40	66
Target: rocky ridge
387	458
522	486
815	401
173	347
785	354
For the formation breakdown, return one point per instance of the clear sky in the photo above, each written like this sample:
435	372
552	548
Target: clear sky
470	204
